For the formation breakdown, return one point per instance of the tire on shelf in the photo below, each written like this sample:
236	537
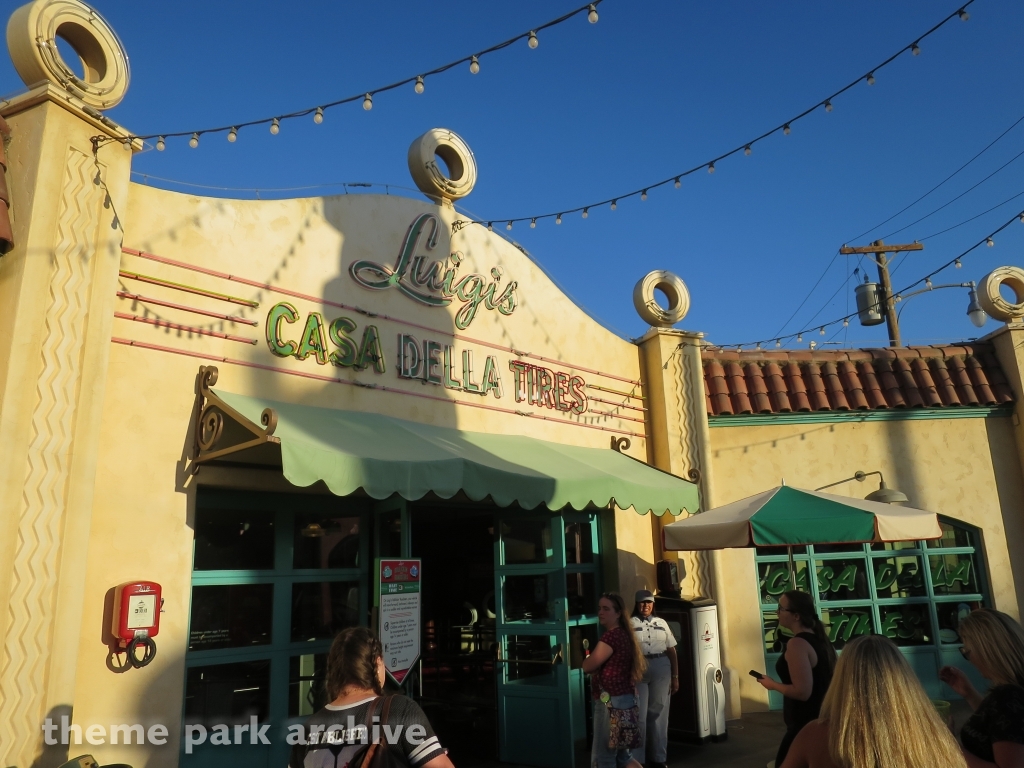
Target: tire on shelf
992	300
447	146
646	303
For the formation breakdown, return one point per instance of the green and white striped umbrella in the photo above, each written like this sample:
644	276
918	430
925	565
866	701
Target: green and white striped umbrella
787	516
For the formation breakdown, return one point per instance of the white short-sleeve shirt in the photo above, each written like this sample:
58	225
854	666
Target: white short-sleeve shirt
653	635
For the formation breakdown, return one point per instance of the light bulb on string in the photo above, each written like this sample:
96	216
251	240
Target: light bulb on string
615	204
928	283
915	49
419	87
758	346
490	226
747	150
711	167
822	331
990	242
778	343
474	65
194	141
871	78
1022	218
846	322
275	127
233	135
161	145
586	212
678	183
592	15
509	226
799	337
368	102
964	15
558	219
533	223
532	40
828	105
786	129
128	144
643	195
318	116
958	264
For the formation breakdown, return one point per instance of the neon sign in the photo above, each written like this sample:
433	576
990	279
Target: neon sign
436	283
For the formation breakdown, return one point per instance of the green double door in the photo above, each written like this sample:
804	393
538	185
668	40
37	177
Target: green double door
547	587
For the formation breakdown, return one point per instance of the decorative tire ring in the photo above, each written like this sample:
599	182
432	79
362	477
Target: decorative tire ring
31	38
456	154
647	306
992	300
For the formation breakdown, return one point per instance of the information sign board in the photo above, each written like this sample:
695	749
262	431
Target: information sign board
399	612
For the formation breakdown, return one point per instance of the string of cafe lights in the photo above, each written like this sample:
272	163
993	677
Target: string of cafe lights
746	147
798	336
318	112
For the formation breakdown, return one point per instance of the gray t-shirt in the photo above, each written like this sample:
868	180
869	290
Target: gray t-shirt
336	735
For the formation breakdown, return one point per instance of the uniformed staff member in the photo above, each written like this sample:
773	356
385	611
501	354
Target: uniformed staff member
658	646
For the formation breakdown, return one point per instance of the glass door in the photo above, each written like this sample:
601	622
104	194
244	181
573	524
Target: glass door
274	578
546	587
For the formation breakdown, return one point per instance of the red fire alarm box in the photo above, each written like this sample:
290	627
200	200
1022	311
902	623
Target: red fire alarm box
137	619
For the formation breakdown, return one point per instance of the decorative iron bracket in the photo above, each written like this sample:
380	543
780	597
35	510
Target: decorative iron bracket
209	415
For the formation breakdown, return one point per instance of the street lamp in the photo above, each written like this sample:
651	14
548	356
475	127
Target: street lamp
869	310
884	494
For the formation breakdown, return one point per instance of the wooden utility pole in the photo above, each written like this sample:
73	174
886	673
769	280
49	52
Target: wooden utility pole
878	250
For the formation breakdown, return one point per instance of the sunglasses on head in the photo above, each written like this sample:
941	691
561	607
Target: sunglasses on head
965	652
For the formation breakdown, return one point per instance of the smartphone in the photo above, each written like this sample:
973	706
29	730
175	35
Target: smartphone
756	675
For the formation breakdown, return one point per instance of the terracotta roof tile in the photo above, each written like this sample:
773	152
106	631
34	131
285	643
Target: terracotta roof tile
737	388
781	381
816	387
777	386
797	388
851	385
757	388
834	387
925	383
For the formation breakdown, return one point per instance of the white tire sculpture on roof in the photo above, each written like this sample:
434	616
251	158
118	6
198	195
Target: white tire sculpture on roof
647	304
992	300
32	34
440	143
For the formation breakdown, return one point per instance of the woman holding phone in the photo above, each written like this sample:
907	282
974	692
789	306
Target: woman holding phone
805	668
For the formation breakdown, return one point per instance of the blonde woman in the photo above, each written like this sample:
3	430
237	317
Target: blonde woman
994	644
875	715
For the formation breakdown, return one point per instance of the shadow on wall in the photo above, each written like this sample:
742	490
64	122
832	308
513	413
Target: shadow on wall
1007	469
635	573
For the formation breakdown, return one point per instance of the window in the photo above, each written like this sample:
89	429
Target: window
274	578
913	592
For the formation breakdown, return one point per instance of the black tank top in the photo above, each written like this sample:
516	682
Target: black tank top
798	713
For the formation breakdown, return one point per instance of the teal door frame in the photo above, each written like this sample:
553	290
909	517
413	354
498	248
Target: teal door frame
281	649
542	704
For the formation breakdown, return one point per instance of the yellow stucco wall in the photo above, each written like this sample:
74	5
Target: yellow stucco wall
144	499
966	469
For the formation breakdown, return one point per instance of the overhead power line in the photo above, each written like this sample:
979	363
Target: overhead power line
845	319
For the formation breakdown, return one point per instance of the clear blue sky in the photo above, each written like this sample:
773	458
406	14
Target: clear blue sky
655	87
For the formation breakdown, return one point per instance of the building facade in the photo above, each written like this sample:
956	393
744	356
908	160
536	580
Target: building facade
185	381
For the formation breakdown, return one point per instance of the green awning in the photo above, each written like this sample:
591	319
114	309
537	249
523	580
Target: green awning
351	450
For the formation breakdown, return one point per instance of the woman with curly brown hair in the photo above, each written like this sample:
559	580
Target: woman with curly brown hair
337	734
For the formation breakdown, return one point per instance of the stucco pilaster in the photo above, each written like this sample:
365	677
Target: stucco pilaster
57	288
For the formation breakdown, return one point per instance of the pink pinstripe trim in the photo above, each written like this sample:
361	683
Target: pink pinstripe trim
188	328
379	387
307	297
183	308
